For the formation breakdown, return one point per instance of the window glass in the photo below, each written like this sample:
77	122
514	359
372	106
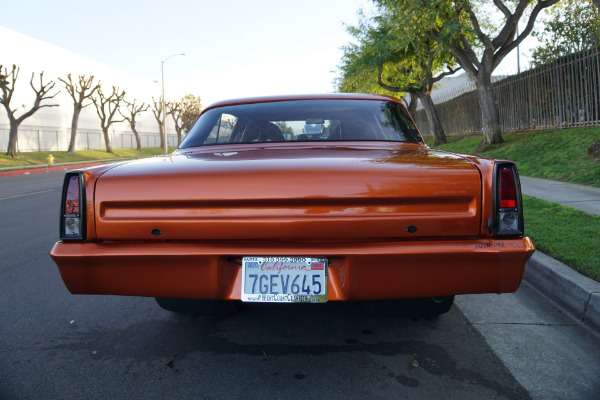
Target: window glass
221	131
304	121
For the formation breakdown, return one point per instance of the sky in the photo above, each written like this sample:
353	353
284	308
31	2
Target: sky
233	48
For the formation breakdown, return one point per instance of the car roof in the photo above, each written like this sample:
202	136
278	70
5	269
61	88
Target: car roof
327	96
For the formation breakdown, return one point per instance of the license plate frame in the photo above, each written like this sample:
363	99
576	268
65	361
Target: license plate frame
284	279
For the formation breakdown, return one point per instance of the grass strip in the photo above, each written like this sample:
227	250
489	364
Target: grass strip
40	157
564	233
559	154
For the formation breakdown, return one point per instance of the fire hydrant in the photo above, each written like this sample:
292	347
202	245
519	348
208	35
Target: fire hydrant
50	160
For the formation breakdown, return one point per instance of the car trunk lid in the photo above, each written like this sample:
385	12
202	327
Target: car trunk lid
373	191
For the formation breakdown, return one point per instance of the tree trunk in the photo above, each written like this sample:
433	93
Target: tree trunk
412	105
162	136
107	140
490	117
137	137
437	131
74	123
178	137
12	139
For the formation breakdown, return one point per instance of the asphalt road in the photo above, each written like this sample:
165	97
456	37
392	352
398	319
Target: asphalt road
54	345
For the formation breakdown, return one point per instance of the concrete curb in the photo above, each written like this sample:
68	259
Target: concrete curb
575	293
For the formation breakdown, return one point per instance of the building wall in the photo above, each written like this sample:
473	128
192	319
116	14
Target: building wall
49	128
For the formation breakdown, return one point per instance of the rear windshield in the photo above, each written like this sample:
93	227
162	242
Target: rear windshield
303	121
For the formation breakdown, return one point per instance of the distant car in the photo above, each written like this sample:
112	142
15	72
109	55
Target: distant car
314	127
252	207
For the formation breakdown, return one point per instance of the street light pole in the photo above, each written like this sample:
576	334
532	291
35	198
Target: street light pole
164	108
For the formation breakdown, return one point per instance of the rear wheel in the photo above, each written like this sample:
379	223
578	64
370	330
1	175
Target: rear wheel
198	307
433	306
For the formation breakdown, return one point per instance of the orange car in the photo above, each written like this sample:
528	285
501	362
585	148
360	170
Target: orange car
296	199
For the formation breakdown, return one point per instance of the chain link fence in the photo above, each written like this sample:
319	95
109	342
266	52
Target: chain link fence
53	139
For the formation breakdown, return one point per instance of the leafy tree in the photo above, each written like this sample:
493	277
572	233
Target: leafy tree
106	108
79	92
191	109
133	110
570	27
7	86
465	29
397	63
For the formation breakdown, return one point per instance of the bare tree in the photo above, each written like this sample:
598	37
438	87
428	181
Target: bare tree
79	92
7	86
133	111
107	107
157	110
175	109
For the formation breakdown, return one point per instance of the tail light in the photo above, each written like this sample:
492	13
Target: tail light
72	209
508	206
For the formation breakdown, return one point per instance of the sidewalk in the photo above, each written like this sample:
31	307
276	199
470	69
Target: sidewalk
584	198
575	293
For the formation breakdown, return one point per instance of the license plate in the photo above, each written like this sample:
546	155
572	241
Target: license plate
284	279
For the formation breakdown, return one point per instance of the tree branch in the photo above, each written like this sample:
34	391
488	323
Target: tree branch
410	88
68	85
503	8
8	89
469	62
157	109
133	110
107	107
482	36
507	34
44	89
442	75
40	95
384	85
508	46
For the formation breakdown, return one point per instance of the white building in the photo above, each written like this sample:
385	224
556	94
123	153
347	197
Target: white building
49	128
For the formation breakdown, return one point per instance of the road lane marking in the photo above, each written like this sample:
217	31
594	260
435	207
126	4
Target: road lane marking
26	194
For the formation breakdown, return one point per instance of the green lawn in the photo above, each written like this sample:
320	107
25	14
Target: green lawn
555	154
40	157
567	234
564	233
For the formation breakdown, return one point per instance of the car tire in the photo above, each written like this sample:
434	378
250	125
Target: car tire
434	306
198	307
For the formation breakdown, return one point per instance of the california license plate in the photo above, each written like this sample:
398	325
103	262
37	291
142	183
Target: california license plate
284	279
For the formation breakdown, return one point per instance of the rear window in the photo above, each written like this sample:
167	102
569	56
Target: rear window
303	121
